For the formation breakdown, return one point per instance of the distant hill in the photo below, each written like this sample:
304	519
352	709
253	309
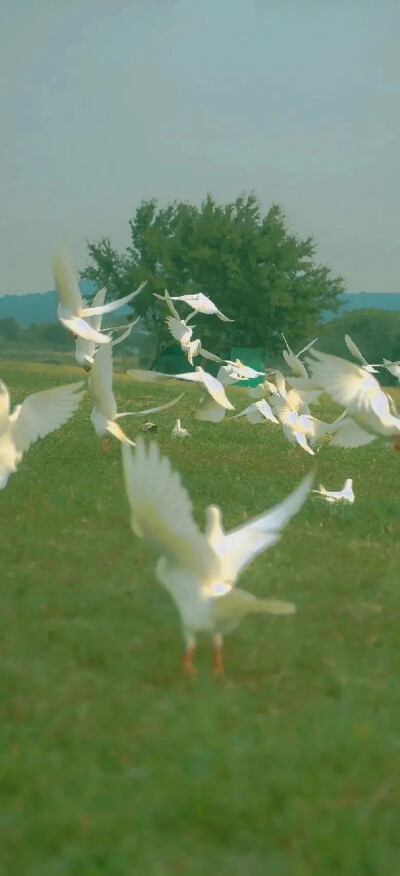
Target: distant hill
365	300
41	307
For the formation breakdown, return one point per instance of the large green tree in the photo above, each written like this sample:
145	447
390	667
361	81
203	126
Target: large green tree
250	265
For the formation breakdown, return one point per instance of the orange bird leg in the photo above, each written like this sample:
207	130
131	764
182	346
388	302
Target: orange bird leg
396	444
106	443
187	660
218	666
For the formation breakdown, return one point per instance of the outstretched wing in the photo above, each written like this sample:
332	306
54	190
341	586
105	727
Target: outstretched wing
161	511
238	548
112	305
43	412
66	281
344	381
101	380
214	389
179	330
353	349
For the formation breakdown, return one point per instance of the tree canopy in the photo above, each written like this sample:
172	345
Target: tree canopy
250	265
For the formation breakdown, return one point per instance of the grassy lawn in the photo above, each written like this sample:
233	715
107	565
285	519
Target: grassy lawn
114	764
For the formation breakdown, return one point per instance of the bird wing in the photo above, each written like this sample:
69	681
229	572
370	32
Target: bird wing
307	347
98	301
125	334
214	388
179	330
168	300
350	434
43	412
207	355
344	381
4	401
294	363
210	411
151	410
161	510
352	347
101	380
301	439
66	281
236	603
238	548
80	327
117	432
112	305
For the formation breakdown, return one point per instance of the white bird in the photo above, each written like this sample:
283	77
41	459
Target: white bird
39	414
178	430
298	425
199	303
210	383
71	311
346	494
85	349
104	414
243	372
200	570
258	412
353	349
293	359
367	406
392	367
183	334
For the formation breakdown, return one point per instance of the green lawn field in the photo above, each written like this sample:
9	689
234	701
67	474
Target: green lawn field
112	763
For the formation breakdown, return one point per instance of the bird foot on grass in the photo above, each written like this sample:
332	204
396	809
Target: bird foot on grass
106	443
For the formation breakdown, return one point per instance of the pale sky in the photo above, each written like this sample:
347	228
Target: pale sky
106	102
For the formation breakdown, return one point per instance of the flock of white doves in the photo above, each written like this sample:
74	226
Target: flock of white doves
200	569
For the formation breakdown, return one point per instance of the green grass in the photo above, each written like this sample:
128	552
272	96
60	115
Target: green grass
114	764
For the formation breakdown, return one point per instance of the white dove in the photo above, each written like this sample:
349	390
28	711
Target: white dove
39	414
199	303
183	334
353	349
210	383
344	495
104	414
298	425
392	367
243	372
71	311
178	430
293	359
200	570
85	349
367	406
258	412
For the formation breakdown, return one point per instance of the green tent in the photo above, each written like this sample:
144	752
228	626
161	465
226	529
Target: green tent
254	357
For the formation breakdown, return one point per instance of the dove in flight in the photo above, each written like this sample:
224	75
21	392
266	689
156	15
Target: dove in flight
200	569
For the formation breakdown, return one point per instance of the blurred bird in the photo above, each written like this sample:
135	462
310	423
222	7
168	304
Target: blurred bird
104	414
71	311
258	412
200	570
210	383
368	414
353	349
344	495
293	359
178	431
39	414
199	303
183	334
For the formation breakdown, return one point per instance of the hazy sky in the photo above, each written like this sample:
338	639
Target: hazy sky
106	102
